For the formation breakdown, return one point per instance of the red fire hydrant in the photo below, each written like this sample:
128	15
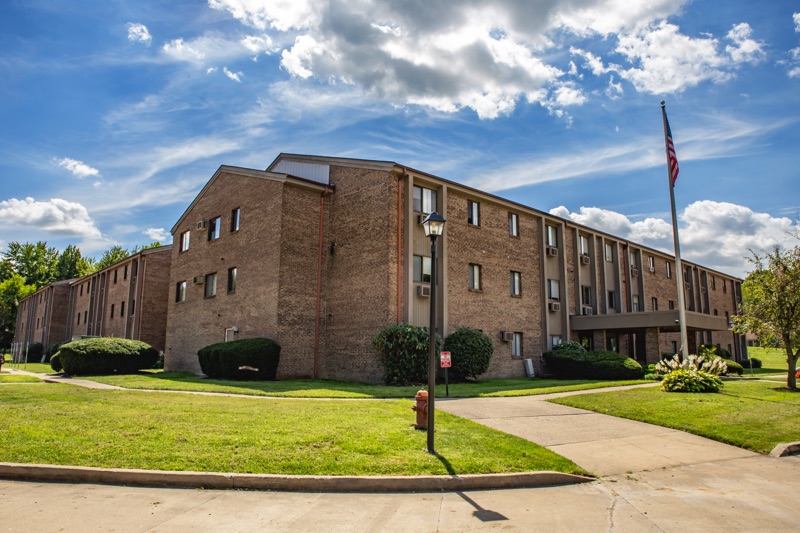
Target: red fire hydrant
421	407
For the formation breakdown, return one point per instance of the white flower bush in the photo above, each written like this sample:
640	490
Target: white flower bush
696	373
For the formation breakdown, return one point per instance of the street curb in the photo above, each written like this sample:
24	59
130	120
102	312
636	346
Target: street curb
219	480
783	450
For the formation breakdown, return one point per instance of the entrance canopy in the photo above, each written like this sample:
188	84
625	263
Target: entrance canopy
666	321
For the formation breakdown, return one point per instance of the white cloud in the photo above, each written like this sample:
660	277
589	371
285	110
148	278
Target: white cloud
56	216
718	235
278	14
157	234
138	33
178	49
258	44
235	76
796	18
78	168
744	49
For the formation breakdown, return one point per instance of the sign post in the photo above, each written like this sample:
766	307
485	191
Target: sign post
446	363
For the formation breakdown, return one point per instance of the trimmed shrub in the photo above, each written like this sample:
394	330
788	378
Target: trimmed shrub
403	350
105	355
253	359
55	363
52	350
569	346
35	352
690	381
580	364
472	352
753	361
733	367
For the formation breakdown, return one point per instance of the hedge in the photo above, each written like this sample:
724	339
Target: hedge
403	349
34	352
580	364
254	359
105	355
471	351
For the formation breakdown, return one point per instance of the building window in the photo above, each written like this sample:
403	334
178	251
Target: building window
211	285
635	303
121	310
125	273
609	252
669	269
724	286
672	305
552	289
713	283
232	279
235	217
133	307
654	303
474	277
674	346
79	319
586	295
584	245
552	236
424	200
555	340
213	229
612	300
473	213
112	311
180	291
513	224
516	283
422	269
651	263
185	241
516	345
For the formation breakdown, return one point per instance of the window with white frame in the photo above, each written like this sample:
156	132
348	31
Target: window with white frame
672	305
516	345
553	289
185	237
513	224
651	263
586	295
422	269
180	291
669	269
211	285
473	213
236	215
555	340
584	245
213	229
424	200
552	235
632	257
654	303
232	273
635	303
474	277
516	283
609	252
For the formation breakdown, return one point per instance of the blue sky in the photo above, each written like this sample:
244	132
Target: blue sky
116	113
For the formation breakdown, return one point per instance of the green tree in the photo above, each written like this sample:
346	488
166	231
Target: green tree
111	256
71	264
36	263
771	303
154	244
12	290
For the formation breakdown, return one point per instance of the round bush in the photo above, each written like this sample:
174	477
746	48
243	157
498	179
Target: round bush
579	364
55	363
733	367
105	355
52	350
403	350
690	381
35	352
753	361
569	346
471	351
253	359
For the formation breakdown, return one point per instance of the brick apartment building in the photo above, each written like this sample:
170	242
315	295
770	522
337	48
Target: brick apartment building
127	299
321	253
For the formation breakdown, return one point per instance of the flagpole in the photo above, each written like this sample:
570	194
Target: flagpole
671	180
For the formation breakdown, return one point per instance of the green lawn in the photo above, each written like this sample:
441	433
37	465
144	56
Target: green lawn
152	380
5	377
62	424
750	414
39	368
773	361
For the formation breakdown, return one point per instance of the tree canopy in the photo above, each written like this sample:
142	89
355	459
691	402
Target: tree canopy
771	303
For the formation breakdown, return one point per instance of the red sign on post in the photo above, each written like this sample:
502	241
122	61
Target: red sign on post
446	363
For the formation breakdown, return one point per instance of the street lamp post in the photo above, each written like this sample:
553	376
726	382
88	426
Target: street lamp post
434	227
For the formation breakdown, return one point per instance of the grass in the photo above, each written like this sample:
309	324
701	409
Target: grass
62	424
5	377
39	368
749	414
773	361
182	381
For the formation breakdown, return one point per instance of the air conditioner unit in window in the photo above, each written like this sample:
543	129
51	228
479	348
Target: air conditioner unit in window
420	219
554	307
201	224
199	280
586	310
634	272
424	290
507	336
652	269
585	259
552	251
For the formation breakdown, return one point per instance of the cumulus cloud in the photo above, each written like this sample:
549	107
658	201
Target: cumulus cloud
157	234
794	53
78	168
796	18
718	235
744	49
56	216
139	33
258	44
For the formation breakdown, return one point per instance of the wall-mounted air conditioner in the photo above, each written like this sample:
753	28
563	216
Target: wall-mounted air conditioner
634	272
585	259
424	291
652	269
199	280
586	310
554	307
552	251
202	225
420	219
507	336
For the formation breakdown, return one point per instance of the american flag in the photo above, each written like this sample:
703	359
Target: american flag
672	159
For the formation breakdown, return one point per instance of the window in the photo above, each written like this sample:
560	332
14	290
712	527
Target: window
632	257
674	346
422	269
716	313
612	300
584	245
516	345
112	311
213	229
133	307
474	277
552	236
125	273
185	241
232	279
651	263
635	303
672	305
555	340
552	289
713	283
724	286
473	213
516	283
586	295
79	319
211	285
424	200
513	224
654	303
81	291
609	252
235	217
116	271
669	269
121	310
180	291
